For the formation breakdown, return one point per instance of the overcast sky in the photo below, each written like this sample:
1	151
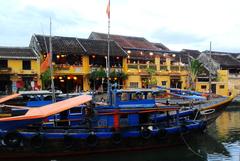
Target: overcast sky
178	24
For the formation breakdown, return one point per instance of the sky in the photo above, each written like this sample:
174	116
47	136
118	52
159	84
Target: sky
178	24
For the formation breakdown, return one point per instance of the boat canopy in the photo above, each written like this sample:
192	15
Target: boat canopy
51	109
9	97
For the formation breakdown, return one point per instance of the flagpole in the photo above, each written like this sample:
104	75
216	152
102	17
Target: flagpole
108	57
210	70
50	63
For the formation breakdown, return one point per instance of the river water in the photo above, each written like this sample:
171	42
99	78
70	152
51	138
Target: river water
221	142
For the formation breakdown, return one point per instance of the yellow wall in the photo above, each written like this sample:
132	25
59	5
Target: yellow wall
222	75
134	78
163	78
220	91
157	62
184	80
85	64
125	67
16	66
86	83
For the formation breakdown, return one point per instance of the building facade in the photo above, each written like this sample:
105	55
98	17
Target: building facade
149	63
144	64
19	69
74	59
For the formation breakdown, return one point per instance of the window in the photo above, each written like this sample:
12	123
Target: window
164	83
26	65
133	84
203	87
3	63
221	86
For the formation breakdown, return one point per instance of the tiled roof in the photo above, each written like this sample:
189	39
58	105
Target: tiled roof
100	47
17	53
126	41
183	55
226	61
160	46
60	44
72	45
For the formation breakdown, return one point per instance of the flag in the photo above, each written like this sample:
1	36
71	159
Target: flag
108	9
45	64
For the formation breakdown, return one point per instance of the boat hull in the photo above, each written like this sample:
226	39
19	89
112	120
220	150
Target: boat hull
57	148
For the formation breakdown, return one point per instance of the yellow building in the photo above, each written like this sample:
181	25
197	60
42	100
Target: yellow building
19	69
144	62
149	63
74	59
218	86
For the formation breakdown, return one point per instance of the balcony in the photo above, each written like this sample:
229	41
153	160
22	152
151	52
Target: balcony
132	66
183	68
143	66
153	66
174	68
68	69
163	68
234	76
5	70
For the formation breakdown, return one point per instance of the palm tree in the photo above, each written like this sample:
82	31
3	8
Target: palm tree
195	68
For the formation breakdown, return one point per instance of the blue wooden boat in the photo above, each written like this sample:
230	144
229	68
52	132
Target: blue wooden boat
129	121
196	105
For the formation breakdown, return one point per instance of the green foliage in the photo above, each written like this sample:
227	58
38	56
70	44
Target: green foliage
152	80
195	68
122	75
97	74
46	78
151	71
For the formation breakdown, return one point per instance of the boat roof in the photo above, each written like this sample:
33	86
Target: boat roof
42	92
51	109
9	97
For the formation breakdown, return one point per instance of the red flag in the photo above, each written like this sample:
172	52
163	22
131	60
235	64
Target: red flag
45	64
108	9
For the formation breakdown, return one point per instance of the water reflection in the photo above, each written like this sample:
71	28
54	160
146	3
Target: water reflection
227	128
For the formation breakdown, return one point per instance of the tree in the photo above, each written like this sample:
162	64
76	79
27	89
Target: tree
46	78
195	68
97	75
152	80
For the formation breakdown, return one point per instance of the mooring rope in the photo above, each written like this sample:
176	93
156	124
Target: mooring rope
190	148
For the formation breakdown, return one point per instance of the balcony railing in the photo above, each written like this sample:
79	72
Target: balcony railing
143	66
183	68
67	68
174	68
163	67
153	66
132	66
234	76
5	69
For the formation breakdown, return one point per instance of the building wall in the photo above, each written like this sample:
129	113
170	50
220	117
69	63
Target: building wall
161	79
221	85
134	79
16	66
17	73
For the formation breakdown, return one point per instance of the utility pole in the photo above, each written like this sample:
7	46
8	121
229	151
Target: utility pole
210	71
50	63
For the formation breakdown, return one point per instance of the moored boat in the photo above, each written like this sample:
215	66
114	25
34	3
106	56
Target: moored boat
120	125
